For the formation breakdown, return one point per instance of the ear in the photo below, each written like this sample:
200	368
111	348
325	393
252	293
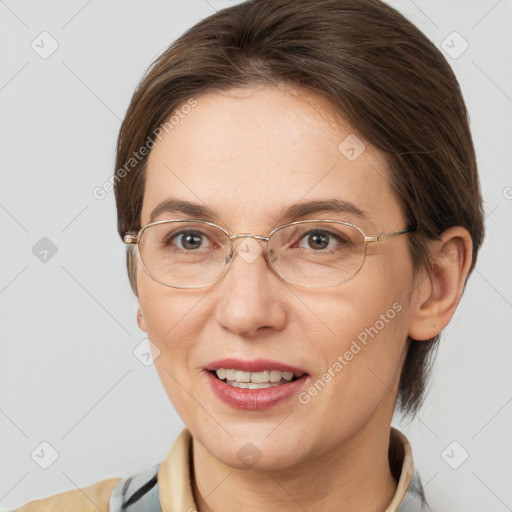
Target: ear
438	292
140	320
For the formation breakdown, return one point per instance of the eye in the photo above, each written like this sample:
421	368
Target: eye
319	240
188	240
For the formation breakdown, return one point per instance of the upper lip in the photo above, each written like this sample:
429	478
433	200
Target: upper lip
254	365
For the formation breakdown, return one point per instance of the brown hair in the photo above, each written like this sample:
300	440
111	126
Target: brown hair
379	72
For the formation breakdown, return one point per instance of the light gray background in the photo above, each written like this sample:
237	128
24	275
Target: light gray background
68	374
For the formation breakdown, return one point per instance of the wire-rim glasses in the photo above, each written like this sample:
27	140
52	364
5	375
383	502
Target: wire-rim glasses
184	253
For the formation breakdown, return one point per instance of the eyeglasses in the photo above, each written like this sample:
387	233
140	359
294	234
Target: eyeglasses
195	253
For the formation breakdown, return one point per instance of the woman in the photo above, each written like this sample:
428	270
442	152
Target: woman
297	186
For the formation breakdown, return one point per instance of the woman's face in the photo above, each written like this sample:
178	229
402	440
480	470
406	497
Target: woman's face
248	155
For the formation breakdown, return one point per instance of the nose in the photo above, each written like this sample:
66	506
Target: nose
250	293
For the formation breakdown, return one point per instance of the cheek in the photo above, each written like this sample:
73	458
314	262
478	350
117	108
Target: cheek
173	323
170	317
359	329
357	368
366	321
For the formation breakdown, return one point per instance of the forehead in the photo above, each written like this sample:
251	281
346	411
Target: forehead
249	154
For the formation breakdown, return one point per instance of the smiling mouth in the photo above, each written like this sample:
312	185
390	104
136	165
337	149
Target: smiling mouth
255	380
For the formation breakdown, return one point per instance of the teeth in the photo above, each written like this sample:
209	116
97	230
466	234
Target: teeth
230	374
241	376
276	376
266	377
250	385
260	377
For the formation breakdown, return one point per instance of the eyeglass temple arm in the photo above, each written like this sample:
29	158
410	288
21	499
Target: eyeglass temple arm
392	234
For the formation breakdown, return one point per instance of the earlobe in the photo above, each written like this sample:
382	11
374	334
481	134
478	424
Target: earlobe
438	292
140	320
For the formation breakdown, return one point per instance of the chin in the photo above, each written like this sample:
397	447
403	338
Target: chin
258	450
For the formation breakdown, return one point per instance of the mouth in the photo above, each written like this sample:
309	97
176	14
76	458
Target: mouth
255	380
256	384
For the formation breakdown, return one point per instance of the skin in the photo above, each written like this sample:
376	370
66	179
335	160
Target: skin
246	154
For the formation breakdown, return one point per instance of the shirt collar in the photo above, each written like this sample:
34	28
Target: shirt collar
175	474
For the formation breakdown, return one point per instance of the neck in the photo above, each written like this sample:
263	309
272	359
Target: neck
353	476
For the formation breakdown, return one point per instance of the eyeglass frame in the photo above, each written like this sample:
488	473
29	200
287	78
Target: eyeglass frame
134	237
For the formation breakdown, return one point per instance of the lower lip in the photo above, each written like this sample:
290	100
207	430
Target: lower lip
264	398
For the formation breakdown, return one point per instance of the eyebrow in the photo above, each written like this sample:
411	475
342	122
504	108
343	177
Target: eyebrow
286	214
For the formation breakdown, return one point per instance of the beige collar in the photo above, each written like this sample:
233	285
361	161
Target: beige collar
175	485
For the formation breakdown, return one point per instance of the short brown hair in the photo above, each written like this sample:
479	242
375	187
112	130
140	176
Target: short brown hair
380	73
